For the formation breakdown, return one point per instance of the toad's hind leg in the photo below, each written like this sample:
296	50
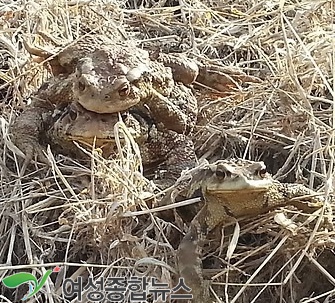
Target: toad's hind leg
28	131
181	156
174	150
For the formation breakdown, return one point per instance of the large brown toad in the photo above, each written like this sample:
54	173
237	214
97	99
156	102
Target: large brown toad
233	190
74	123
112	75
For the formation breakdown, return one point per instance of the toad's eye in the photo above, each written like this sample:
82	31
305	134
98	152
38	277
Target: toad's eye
124	90
221	173
81	86
262	172
72	114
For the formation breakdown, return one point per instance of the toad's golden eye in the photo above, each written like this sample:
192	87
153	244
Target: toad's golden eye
262	172
81	86
72	114
124	90
222	173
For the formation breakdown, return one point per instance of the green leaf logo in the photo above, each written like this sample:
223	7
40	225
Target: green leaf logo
24	277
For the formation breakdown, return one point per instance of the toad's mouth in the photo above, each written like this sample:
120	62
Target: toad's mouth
94	140
236	191
239	185
108	106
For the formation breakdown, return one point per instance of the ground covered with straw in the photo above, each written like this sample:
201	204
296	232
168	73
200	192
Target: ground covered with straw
95	219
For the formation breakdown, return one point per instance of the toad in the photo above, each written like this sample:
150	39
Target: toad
75	123
233	190
107	76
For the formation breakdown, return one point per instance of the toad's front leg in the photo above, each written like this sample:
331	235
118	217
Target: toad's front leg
178	112
190	250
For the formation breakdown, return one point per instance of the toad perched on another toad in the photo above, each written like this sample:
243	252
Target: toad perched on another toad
110	76
107	76
232	190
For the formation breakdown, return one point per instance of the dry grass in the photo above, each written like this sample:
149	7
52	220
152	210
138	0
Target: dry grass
94	219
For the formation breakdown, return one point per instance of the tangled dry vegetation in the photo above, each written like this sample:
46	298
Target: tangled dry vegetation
94	219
